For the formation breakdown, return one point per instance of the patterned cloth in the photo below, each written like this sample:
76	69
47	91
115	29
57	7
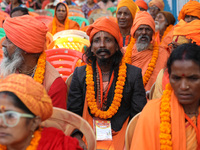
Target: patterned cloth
87	9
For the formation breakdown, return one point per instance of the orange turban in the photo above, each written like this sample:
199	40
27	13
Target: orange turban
141	3
104	24
191	8
158	3
142	18
27	33
30	92
130	4
191	30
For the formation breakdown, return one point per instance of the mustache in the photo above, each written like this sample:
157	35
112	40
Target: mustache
144	36
103	50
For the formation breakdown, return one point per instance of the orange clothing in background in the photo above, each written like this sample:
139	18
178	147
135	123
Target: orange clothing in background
146	134
55	26
141	3
158	3
191	8
142	60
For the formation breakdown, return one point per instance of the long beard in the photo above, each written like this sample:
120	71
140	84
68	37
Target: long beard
142	46
10	65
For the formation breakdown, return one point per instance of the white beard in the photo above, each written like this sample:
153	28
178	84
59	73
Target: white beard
142	46
157	26
10	65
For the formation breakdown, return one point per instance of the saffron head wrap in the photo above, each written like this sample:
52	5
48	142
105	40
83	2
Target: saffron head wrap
141	3
30	92
158	3
142	18
27	33
104	24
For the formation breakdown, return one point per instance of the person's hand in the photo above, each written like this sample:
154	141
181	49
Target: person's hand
81	143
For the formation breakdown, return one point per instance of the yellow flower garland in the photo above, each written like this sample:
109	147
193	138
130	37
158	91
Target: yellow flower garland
34	142
165	120
90	95
40	70
152	63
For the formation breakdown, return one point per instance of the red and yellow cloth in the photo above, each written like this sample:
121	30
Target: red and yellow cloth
191	8
30	92
27	33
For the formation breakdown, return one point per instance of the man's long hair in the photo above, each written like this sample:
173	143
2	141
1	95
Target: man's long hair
90	58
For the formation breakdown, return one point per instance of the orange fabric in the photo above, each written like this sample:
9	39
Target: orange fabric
33	14
104	24
142	18
165	79
141	3
142	60
191	30
27	33
3	16
117	142
146	135
191	135
127	40
191	8
158	3
30	92
56	26
1	41
130	4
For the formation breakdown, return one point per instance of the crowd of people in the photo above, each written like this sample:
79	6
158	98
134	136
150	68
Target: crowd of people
140	61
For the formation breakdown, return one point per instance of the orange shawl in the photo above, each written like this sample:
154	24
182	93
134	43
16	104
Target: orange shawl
142	59
146	135
55	26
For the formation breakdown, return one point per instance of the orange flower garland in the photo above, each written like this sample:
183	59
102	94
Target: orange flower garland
34	142
152	63
165	120
169	28
40	70
90	95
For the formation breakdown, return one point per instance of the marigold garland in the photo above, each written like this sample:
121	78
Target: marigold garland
40	70
152	63
165	120
34	141
116	103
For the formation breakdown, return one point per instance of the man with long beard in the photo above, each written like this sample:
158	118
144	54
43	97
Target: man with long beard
144	52
23	50
106	90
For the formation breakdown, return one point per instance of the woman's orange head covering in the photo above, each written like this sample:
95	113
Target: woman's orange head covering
30	92
191	8
133	8
104	24
142	18
27	33
191	30
141	3
55	19
158	3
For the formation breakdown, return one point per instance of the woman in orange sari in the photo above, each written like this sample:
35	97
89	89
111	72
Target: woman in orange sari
173	122
61	21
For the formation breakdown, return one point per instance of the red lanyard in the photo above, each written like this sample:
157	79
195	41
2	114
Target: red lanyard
101	85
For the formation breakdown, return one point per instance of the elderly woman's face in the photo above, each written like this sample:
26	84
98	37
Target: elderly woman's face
185	80
124	17
17	134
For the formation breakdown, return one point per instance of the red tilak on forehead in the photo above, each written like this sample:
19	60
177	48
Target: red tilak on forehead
176	38
183	75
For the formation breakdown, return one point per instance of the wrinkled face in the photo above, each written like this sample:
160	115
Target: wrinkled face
143	34
185	80
61	13
104	45
124	17
154	10
9	46
189	18
161	22
17	13
17	134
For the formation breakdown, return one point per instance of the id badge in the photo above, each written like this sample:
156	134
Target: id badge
102	129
